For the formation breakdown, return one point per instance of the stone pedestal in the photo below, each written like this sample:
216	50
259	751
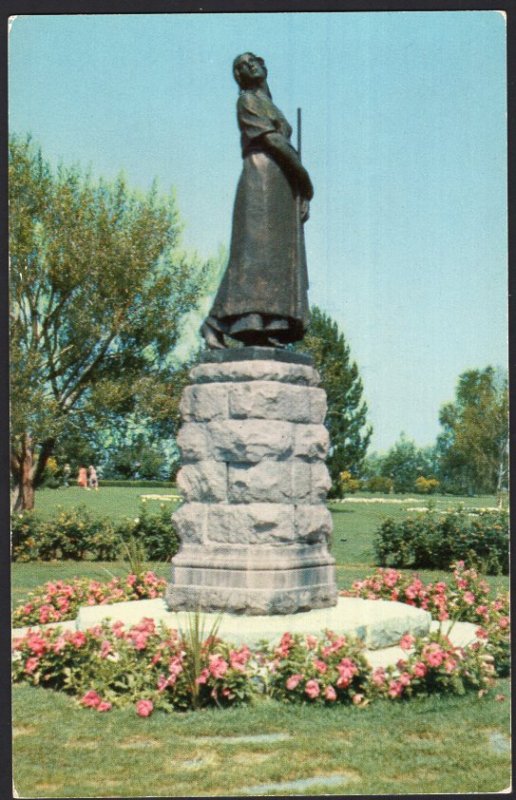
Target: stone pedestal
254	527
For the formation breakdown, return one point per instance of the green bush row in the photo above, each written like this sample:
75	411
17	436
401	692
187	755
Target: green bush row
433	540
76	534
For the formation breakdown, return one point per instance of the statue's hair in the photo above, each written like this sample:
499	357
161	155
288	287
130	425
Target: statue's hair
236	70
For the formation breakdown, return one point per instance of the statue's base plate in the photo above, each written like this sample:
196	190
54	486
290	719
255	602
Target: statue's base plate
255	353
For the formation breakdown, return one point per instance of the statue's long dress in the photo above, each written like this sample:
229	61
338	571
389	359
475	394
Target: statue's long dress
264	288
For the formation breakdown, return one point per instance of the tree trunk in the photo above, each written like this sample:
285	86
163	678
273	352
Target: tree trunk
23	472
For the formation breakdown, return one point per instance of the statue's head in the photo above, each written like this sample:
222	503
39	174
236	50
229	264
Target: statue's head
249	70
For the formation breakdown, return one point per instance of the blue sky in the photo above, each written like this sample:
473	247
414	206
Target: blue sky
404	135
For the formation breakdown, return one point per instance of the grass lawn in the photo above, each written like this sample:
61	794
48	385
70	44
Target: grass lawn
432	745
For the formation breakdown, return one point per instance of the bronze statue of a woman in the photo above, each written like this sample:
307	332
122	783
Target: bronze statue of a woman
262	299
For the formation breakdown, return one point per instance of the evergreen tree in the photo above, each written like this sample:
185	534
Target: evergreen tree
346	418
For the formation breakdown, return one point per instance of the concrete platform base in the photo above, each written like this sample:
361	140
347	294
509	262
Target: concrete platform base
233	628
378	623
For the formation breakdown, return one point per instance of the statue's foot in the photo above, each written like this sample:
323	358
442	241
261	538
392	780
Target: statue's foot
214	339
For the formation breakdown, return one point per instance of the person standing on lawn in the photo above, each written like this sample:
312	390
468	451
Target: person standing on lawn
93	478
82	478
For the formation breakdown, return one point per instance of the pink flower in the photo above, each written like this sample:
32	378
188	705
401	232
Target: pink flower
503	622
378	676
357	699
330	693
59	644
293	681
420	669
118	629
320	665
347	668
239	658
311	642
407	641
395	689
480	633
105	649
36	644
312	689
91	699
144	708
469	598
31	664
404	679
203	677
104	706
433	654
218	666
450	664
285	644
175	666
162	683
78	639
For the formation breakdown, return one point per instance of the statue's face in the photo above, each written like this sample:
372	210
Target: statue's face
250	70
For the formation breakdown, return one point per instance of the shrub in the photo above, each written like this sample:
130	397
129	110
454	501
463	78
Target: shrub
466	598
433	665
77	534
60	601
349	484
432	540
310	670
147	667
378	483
136	484
426	485
155	531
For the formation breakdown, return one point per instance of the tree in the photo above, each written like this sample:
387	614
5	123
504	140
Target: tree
347	412
404	463
473	445
97	292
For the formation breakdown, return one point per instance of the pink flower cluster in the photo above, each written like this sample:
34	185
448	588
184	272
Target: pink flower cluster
59	601
325	670
151	668
433	664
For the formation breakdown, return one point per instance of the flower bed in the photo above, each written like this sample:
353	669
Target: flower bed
60	601
465	598
158	668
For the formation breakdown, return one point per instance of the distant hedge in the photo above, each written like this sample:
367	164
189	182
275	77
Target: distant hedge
137	484
435	539
78	535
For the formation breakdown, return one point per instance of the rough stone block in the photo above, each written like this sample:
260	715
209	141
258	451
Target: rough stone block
194	442
253	523
320	481
255	370
191	520
311	441
318	405
201	402
270	400
250	440
204	481
313	524
267	481
301	481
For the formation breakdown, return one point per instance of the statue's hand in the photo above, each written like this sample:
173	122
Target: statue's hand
305	209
